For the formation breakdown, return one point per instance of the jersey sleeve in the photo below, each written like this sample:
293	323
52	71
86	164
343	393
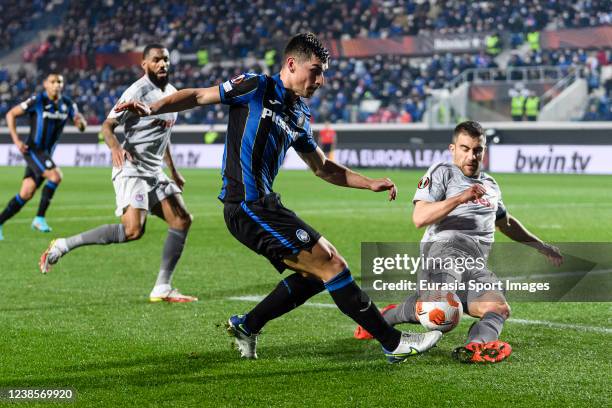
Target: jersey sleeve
126	96
304	143
29	105
73	110
501	211
239	90
432	186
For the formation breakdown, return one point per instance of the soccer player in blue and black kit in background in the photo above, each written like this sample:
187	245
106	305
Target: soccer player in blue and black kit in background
48	111
268	116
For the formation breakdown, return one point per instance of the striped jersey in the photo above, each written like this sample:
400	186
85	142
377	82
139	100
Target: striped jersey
47	119
263	125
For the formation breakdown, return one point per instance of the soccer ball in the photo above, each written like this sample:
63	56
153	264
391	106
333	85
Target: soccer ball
441	311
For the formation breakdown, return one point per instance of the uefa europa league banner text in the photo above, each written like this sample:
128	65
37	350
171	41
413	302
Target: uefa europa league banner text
392	271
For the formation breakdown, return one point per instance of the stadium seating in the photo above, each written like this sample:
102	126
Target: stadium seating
17	16
398	84
237	28
378	89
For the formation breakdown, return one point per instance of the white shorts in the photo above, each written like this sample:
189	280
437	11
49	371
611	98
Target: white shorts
142	192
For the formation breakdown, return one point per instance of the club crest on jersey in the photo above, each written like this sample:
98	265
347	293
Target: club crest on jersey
237	80
423	183
302	235
139	197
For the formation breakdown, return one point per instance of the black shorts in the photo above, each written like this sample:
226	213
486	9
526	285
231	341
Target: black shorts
38	162
268	228
326	147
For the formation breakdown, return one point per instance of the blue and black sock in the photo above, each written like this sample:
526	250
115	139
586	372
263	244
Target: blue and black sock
290	293
12	208
357	305
45	199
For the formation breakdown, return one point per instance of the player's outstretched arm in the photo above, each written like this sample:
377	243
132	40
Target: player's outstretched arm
339	175
427	212
179	101
513	229
11	115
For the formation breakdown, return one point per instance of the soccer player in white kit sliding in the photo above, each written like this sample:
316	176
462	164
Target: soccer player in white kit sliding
139	181
461	206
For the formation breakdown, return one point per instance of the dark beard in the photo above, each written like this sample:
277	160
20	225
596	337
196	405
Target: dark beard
159	82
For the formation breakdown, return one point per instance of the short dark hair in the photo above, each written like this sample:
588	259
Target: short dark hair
305	45
56	73
150	47
469	127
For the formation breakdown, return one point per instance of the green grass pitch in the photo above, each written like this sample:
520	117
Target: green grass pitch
87	325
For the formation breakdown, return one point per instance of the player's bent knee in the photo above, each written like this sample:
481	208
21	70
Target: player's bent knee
181	223
334	265
55	176
338	263
26	195
505	310
502	309
132	233
479	309
185	222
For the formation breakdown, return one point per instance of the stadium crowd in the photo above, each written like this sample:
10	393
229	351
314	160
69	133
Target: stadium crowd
379	89
397	85
237	28
16	16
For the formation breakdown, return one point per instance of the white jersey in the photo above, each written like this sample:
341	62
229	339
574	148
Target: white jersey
475	218
146	138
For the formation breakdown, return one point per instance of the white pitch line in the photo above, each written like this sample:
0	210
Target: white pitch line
553	325
110	215
557	274
556	325
256	298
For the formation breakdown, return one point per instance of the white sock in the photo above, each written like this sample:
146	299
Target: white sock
161	290
60	243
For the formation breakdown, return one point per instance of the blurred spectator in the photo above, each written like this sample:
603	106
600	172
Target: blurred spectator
591	114
532	106
376	89
238	28
17	16
327	140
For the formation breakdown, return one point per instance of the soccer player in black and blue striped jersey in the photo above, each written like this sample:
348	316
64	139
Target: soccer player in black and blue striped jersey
48	112
268	115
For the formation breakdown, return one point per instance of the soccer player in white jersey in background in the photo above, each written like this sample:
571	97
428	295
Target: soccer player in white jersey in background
461	206
139	181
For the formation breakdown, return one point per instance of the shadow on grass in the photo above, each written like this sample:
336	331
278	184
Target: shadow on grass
203	294
70	306
330	359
